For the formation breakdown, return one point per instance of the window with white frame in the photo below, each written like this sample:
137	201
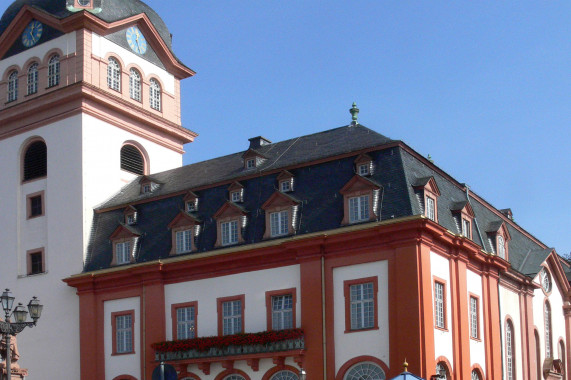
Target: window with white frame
474	331
501	247
183	241
548	336
250	163
285	186
430	211
229	233
365	370
155	94
33	78
135	85
466	228
279	223
364	169
439	305
545	280
475	375
358	209
191	205
282	312
53	71
12	86
234	377
113	74
509	351
362	306
235	196
124	333
231	317
123	252
185	322
284	375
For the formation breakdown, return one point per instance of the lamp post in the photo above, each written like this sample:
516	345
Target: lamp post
9	328
302	374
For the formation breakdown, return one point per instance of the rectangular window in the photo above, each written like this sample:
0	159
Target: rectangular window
132	219
183	241
474	332
279	223
363	169
35	205
285	186
235	196
358	209
191	206
123	332
231	315
466	228
282	312
361	304
185	322
35	261
250	163
430	212
123	252
229	232
439	299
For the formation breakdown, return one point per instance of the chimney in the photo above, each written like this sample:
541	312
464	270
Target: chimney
256	142
508	212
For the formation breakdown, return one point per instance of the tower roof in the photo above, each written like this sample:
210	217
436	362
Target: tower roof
111	10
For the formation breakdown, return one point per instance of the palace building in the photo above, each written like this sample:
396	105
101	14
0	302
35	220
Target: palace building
338	254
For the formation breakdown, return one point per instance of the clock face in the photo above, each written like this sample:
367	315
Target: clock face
32	33
136	40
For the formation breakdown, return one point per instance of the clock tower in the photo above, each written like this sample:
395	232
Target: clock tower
89	99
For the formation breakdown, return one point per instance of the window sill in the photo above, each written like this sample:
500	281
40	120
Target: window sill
475	339
361	330
123	353
443	329
30	217
32	275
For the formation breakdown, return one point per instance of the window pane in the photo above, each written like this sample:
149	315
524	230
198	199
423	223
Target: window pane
282	312
362	306
439	304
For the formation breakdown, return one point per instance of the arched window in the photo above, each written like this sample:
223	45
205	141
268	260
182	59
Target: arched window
132	160
442	370
155	95
234	377
13	86
365	370
562	353
53	71
547	314
135	85
510	351
284	375
35	161
475	375
114	74
537	355
33	78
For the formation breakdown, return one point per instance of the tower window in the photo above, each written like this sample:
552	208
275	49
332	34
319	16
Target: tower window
36	261
53	71
155	95
135	85
33	79
114	75
35	161
132	160
13	86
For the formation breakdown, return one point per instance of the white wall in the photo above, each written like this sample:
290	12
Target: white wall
510	305
477	347
102	46
369	342
440	267
128	364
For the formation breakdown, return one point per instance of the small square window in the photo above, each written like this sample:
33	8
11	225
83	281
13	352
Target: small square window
146	188
250	163
191	206
363	169
285	186
235	196
35	205
131	219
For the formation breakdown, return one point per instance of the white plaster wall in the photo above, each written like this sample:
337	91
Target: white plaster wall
440	267
101	162
66	43
252	284
102	46
557	317
370	342
59	232
510	305
129	364
216	368
477	347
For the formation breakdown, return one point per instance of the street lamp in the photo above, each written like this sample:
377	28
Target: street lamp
9	328
302	374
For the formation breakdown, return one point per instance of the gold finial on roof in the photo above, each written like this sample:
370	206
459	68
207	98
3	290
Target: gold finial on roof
405	365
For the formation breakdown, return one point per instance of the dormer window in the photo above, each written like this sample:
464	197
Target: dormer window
252	159
285	181
463	215
191	202
281	215
236	192
364	165
130	215
250	163
124	240
466	228
361	200
427	193
498	238
231	220
185	228
501	246
148	185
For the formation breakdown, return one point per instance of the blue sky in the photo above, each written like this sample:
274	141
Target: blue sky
484	87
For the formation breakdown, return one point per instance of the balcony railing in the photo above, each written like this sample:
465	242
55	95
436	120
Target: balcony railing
266	342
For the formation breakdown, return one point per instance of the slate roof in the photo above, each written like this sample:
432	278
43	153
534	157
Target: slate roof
112	10
319	174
